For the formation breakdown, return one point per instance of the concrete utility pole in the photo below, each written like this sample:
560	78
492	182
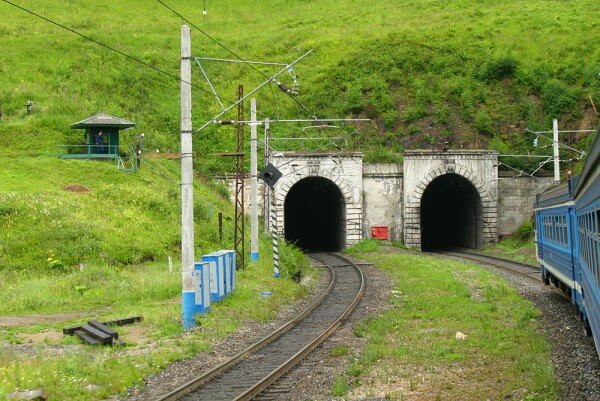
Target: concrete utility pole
556	155
187	185
253	183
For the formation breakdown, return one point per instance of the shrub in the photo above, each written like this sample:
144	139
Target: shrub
483	123
499	68
292	261
525	231
558	99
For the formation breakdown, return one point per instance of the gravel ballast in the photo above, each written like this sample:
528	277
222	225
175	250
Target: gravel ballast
573	356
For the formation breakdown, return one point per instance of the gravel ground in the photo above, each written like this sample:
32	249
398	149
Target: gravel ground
574	357
576	363
248	333
312	379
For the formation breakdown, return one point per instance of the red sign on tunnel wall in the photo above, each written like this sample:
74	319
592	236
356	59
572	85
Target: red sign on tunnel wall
379	232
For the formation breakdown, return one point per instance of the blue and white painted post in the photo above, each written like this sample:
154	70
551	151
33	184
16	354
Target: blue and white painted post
187	186
253	183
274	235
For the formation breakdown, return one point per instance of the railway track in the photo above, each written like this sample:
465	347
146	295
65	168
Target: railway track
521	269
253	370
518	268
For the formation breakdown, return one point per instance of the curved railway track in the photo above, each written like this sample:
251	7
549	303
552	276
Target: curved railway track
253	370
518	268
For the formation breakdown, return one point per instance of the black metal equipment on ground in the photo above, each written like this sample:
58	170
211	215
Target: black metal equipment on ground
97	333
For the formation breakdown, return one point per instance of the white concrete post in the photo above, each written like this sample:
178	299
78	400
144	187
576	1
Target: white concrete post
266	197
556	155
253	183
187	185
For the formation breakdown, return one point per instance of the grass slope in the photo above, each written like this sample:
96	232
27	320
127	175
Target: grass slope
469	72
112	217
412	351
57	214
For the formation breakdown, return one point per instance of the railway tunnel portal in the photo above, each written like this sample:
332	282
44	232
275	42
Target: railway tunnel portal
434	199
450	198
319	199
450	214
314	215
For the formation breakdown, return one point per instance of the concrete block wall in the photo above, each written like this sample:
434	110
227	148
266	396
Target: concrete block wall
515	199
382	198
388	194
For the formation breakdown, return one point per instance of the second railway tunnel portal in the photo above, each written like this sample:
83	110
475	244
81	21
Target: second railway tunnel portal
315	215
451	214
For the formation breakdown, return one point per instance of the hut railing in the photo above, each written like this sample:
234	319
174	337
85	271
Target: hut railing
89	151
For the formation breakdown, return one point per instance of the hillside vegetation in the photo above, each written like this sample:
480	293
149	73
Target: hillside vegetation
472	73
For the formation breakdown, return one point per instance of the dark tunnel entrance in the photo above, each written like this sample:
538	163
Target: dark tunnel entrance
451	214
315	215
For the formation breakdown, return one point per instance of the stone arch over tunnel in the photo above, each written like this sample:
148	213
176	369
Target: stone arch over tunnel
315	215
451	214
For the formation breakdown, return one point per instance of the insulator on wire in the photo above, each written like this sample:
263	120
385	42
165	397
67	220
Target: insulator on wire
282	86
295	88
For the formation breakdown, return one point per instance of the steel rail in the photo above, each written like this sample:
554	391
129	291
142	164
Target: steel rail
281	370
200	381
478	257
218	370
496	262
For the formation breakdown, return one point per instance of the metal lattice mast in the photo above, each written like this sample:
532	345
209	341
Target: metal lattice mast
239	186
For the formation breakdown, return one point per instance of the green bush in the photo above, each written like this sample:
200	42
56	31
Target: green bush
483	123
525	231
292	261
499	68
558	99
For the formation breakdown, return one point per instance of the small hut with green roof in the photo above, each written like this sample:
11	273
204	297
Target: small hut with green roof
101	138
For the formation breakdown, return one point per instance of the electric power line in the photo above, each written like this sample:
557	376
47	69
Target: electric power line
170	179
122	53
279	84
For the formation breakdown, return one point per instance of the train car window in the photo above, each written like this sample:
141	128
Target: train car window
561	239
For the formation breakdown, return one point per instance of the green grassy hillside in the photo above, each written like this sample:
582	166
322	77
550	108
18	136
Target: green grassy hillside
469	72
56	214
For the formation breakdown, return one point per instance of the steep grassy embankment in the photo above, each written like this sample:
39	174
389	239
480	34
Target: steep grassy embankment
468	72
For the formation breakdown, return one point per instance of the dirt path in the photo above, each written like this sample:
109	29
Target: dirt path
30	320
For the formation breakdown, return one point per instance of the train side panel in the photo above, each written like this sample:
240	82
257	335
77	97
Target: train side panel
555	242
588	254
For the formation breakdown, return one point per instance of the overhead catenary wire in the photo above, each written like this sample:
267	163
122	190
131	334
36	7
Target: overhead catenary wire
170	179
111	48
235	55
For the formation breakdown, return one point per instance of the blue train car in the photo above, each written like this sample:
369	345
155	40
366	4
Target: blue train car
587	234
554	215
568	239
